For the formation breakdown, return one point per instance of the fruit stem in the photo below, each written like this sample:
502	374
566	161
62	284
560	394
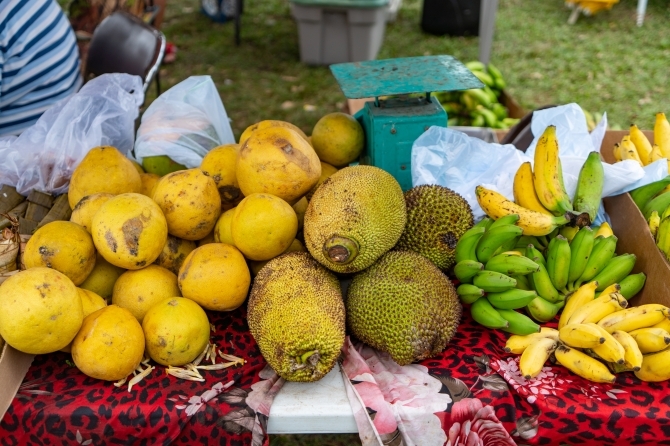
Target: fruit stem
306	356
340	250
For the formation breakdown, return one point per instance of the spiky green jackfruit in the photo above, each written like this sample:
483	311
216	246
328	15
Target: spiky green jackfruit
436	218
296	315
403	305
354	217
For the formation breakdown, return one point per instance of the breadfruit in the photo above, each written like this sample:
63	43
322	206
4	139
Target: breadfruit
296	315
403	305
354	217
436	218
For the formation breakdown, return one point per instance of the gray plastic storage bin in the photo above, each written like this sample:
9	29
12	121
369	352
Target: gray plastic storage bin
337	32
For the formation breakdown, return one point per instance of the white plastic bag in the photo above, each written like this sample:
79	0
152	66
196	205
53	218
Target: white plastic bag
184	123
44	156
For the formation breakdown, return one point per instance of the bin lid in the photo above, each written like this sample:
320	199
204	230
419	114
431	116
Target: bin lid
344	3
403	76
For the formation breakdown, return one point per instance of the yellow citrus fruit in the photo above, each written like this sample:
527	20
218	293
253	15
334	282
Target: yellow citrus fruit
256	265
267	124
263	226
90	303
83	212
219	164
174	252
149	181
103	169
300	208
63	246
129	231
137	291
102	278
222	232
138	167
215	276
40	310
190	201
277	161
110	344
326	171
176	331
338	139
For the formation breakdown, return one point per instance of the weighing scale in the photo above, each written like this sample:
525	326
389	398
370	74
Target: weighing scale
393	123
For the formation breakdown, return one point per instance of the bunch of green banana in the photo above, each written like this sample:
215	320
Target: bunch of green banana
479	107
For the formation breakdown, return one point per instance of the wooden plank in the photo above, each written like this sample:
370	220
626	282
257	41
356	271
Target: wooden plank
27	227
59	211
41	198
9	198
36	212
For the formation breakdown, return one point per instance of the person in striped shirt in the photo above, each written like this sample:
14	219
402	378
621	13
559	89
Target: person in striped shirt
39	61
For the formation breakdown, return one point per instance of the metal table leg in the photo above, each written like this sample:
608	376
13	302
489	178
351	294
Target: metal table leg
641	9
487	21
238	13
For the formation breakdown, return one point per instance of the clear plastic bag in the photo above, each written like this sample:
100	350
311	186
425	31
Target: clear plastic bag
184	123
44	156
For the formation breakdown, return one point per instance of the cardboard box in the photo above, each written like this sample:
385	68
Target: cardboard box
13	368
634	236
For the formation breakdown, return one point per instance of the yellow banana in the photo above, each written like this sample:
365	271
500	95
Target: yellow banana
532	222
635	317
535	355
641	143
610	350
614	288
655	367
651	340
654	222
524	190
598	308
662	134
616	151
628	150
583	295
583	365
548	174
604	230
664	324
580	336
517	344
655	154
632	355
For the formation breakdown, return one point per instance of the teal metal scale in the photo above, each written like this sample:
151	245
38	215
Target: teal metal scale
393	123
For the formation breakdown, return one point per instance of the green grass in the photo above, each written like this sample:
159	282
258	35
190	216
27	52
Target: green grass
604	63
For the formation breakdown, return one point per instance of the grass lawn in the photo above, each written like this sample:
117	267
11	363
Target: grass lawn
604	63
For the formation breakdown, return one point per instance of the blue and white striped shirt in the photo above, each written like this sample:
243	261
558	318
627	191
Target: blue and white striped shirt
39	61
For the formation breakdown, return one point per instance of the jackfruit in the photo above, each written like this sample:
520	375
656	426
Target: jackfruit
296	315
403	305
436	218
354	217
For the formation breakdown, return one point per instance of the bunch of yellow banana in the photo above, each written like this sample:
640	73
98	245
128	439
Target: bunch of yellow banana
637	147
600	336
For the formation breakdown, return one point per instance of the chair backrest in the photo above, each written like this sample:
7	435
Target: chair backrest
122	43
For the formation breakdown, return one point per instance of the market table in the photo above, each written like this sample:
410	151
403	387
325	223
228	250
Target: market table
473	389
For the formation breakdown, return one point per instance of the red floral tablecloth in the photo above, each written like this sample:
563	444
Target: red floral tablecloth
472	394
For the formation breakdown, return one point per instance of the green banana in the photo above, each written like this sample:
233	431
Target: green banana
526	240
469	293
590	186
492	96
658	204
489	117
615	271
603	250
535	255
511	264
643	195
569	232
494	238
467	244
476	96
499	110
522	283
580	251
506	220
478	121
632	284
558	262
466	270
542	310
475	65
519	324
485	223
511	299
663	237
485	78
493	282
484	313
